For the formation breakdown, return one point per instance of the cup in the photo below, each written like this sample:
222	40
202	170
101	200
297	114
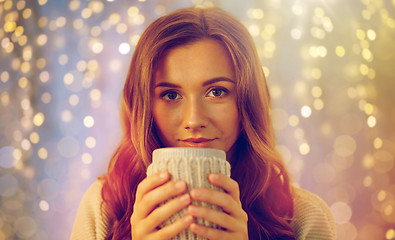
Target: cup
191	165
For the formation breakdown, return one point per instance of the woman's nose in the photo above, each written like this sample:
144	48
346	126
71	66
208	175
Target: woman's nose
194	115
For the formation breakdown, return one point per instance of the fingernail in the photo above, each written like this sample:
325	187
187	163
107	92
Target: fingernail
185	198
195	193
213	176
163	175
192	209
188	219
194	227
180	184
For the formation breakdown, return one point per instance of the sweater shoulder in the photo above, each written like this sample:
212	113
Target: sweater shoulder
312	217
92	221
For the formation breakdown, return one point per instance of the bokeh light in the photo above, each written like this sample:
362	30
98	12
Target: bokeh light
330	69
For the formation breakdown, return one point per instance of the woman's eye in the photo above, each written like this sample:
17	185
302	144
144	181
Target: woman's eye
217	92
171	96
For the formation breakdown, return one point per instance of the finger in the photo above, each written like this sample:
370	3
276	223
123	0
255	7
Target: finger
210	233
173	229
221	199
160	194
150	183
229	185
222	219
164	212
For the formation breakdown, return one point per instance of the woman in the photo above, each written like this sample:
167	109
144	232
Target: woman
195	80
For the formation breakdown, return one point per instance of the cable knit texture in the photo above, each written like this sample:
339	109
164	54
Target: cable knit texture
191	165
312	217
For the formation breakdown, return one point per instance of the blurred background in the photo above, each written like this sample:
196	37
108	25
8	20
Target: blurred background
330	65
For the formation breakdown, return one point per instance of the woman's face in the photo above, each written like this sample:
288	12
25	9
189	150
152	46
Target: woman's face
195	102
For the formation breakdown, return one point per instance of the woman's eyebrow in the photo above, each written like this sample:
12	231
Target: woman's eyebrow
219	79
206	83
167	84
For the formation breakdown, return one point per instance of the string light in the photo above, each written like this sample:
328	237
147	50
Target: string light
62	76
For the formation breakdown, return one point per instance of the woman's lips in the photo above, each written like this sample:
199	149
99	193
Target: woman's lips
197	142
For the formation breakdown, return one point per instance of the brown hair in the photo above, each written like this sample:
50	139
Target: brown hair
256	166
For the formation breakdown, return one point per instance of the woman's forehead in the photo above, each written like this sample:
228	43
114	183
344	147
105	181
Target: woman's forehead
204	59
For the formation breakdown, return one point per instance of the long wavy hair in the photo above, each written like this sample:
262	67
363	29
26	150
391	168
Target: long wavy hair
264	184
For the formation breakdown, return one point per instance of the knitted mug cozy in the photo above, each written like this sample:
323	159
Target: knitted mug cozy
192	165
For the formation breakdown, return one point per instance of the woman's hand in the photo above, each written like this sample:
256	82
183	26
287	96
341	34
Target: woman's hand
146	216
233	219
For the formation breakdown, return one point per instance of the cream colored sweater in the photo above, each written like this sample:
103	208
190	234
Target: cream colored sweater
312	217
